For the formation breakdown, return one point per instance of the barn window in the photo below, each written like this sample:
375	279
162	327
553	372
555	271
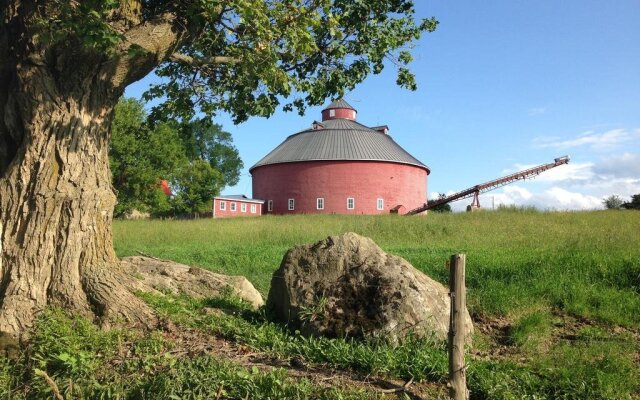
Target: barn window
380	204
223	205
243	207
320	203
332	113
270	205
232	206
253	209
292	204
351	203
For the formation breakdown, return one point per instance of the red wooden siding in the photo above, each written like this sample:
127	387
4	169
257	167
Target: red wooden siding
338	113
227	212
335	182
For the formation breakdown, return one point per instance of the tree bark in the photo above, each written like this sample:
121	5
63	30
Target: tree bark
56	204
56	198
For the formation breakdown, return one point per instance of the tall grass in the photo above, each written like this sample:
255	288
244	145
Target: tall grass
563	288
531	269
583	263
540	273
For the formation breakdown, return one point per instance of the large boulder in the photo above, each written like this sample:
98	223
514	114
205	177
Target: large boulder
165	275
347	286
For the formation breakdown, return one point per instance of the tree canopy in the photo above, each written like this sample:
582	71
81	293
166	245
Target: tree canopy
207	141
442	208
245	57
613	202
634	204
195	185
140	158
197	159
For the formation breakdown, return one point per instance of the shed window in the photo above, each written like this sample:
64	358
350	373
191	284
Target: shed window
253	209
232	206
320	203
270	205
243	207
351	203
292	204
223	205
380	204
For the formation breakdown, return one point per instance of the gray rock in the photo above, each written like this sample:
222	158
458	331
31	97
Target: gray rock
347	286
162	275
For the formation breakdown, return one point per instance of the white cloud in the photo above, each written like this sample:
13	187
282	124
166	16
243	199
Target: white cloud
554	198
599	141
603	187
624	165
618	174
574	186
565	173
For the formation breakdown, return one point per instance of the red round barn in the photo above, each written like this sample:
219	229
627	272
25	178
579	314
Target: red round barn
340	166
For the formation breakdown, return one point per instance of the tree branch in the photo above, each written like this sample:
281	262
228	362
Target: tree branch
199	62
144	47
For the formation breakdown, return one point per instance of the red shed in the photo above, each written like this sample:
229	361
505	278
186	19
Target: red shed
340	166
236	206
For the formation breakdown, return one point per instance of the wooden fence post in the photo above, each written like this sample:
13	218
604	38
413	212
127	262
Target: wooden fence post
457	370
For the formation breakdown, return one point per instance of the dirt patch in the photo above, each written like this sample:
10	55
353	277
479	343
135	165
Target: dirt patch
498	344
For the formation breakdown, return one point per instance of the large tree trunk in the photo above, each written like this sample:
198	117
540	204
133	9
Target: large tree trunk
56	202
56	199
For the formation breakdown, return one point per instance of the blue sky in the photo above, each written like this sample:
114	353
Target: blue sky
503	85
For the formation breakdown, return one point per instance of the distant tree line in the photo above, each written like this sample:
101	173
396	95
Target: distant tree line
197	159
616	202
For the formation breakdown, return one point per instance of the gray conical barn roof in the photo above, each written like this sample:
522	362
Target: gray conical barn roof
339	139
340	103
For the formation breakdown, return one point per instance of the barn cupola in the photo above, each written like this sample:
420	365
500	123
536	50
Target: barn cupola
339	109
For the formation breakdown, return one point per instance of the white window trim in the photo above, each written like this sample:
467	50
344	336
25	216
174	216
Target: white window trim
332	113
380	204
270	205
253	209
223	205
232	206
291	204
320	203
353	203
243	207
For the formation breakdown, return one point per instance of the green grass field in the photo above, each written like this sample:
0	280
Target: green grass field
584	264
555	299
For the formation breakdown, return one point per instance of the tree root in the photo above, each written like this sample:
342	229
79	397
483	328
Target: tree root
110	292
106	293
